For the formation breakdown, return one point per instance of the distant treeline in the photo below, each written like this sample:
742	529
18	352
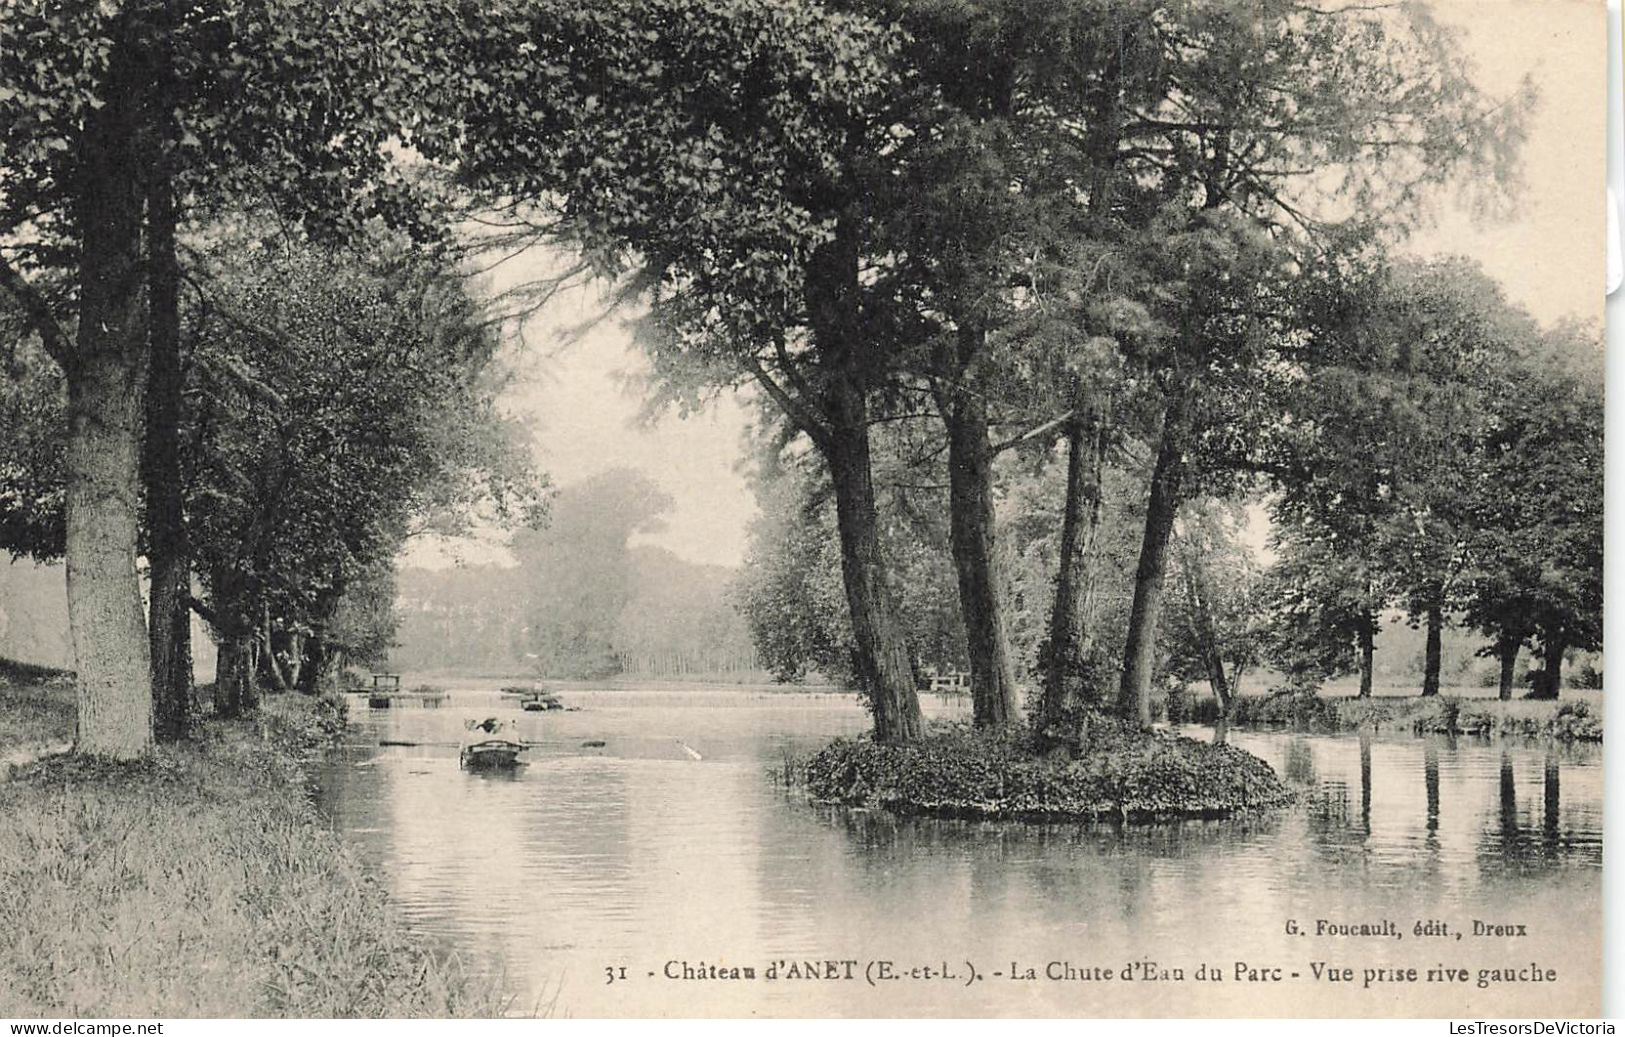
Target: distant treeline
581	601
466	619
701	662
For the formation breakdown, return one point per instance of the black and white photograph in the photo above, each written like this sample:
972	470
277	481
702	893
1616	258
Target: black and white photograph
572	509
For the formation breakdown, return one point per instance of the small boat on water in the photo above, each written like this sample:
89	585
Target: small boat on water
533	699
492	754
491	745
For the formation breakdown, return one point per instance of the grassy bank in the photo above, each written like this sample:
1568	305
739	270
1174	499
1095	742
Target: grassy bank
1124	775
1577	717
202	883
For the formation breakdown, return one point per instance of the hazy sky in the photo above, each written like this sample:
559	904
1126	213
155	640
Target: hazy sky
586	417
1549	256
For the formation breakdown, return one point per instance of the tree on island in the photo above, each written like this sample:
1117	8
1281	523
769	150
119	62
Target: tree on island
761	193
725	156
1263	95
790	590
1077	224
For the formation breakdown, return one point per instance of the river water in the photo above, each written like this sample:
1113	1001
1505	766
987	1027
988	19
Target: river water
636	856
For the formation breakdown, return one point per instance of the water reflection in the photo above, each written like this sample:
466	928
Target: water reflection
1299	766
1510	832
634	853
1365	781
1550	800
1430	774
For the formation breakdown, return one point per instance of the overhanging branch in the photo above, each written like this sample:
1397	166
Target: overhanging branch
202	610
1033	433
797	410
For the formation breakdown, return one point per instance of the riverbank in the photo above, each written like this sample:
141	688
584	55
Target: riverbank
1125	775
201	883
1578	717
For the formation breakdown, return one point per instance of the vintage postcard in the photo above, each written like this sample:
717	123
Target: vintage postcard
801	508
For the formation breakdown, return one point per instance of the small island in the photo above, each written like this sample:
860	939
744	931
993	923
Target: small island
1112	771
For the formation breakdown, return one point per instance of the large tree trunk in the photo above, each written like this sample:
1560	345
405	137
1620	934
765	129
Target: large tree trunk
882	651
1506	651
1063	651
104	434
169	622
1368	651
1207	635
970	522
234	689
882	662
1550	685
313	675
1434	657
270	658
1062	648
1162	507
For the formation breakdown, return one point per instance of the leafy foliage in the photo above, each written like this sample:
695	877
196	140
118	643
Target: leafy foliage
1318	594
335	399
1030	520
290	102
1403	360
698	137
1217	630
1442	455
32	475
1535	552
363	625
791	589
118	122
